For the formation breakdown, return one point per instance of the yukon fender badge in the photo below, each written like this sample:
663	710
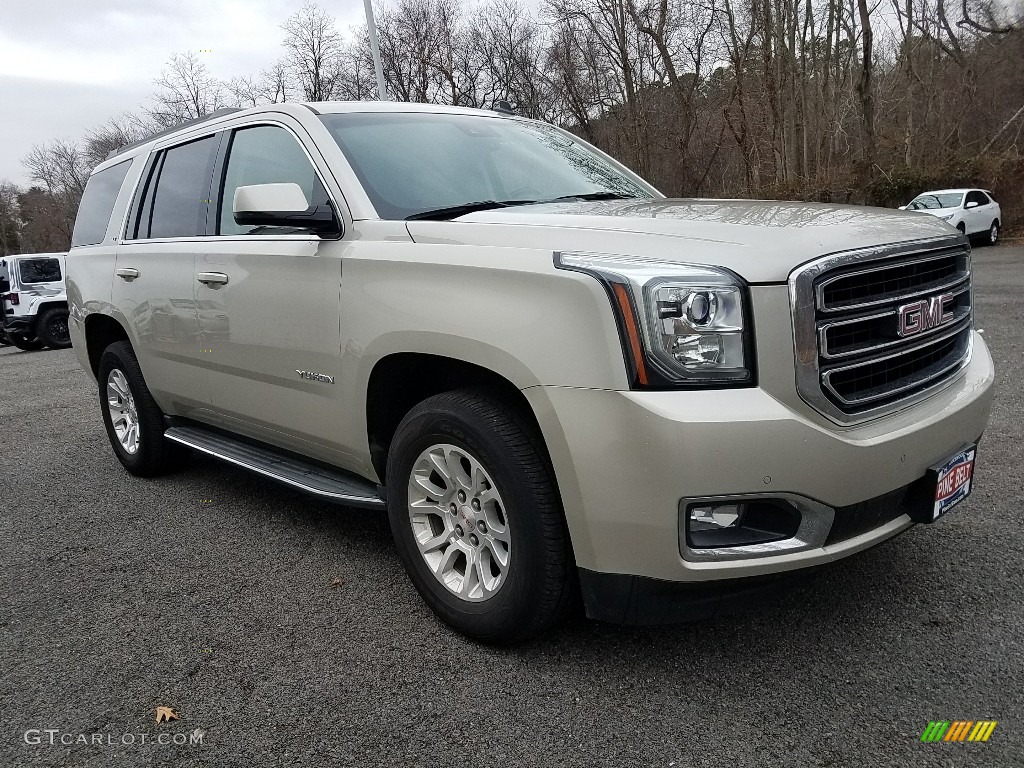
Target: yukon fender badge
313	376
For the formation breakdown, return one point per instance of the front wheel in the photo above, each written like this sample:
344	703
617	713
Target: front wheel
24	343
476	518
133	420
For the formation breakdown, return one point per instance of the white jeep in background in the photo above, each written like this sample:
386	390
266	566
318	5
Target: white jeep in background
559	384
33	301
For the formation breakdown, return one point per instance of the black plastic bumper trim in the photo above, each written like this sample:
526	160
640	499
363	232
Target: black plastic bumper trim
19	324
642	601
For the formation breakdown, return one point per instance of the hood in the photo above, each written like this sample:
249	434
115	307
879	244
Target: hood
758	239
938	211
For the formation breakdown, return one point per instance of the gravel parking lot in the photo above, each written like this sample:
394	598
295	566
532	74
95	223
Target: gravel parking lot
284	632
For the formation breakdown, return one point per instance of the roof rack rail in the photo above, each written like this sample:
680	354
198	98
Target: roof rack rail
167	131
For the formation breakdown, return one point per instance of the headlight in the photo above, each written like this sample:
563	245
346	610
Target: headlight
682	324
947	218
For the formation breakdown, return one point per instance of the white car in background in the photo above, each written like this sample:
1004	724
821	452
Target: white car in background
972	211
34	301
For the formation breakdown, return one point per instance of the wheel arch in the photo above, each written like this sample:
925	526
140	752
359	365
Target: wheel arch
100	332
47	304
43	304
399	381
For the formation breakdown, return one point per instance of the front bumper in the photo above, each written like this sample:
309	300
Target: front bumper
624	460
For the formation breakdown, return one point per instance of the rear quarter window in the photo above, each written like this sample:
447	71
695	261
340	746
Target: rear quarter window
98	203
39	270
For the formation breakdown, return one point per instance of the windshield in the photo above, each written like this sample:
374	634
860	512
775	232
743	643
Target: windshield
932	201
413	163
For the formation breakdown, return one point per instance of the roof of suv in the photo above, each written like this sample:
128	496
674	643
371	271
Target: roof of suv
953	191
293	107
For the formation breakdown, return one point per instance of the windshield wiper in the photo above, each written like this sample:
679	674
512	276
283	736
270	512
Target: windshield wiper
593	196
454	211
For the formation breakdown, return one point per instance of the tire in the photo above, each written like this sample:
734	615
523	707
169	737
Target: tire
993	234
962	227
52	328
4	341
520	509
141	446
24	343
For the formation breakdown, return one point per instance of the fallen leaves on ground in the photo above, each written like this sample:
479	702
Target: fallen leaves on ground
165	714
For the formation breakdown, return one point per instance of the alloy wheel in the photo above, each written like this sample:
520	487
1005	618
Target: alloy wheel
123	414
458	522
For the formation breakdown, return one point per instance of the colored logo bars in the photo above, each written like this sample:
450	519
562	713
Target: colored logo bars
958	730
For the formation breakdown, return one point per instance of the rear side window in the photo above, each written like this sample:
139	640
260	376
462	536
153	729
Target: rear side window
98	203
177	191
39	270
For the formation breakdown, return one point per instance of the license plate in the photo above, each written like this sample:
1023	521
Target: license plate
953	480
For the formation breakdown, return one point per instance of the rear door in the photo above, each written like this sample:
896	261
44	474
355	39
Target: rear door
988	211
155	285
976	219
274	310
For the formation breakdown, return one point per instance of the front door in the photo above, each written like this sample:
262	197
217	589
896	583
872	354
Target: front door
268	302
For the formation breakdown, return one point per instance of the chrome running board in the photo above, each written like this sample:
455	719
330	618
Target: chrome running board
333	484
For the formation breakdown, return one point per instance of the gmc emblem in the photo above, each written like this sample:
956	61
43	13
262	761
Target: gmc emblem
921	315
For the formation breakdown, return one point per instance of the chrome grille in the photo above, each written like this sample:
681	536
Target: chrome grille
854	361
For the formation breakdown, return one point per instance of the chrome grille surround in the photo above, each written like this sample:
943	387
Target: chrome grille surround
851	365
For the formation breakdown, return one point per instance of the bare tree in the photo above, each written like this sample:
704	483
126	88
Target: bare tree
865	91
185	90
114	134
61	169
511	47
313	52
10	219
357	80
44	223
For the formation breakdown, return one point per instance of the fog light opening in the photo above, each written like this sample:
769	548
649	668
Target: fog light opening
714	524
715	517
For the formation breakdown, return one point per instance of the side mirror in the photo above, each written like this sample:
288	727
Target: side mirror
903	207
972	204
281	205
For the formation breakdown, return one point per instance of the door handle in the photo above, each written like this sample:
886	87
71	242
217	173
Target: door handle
212	278
127	273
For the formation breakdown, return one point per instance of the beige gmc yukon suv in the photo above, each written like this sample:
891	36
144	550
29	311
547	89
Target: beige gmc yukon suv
557	382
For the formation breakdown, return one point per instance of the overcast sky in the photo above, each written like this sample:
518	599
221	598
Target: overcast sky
69	65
